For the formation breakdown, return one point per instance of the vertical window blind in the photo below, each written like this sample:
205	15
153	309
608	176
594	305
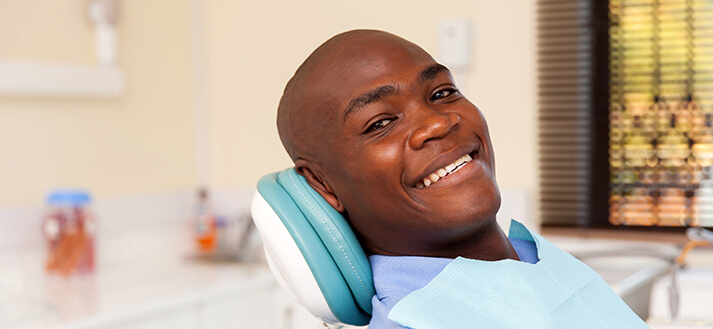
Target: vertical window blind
568	53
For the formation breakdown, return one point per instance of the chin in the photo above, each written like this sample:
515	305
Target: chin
469	212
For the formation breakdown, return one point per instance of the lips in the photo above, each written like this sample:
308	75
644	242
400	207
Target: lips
446	164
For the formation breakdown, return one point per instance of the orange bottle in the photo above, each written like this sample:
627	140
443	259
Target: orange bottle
204	224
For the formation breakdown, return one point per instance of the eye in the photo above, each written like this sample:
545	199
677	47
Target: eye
444	93
378	125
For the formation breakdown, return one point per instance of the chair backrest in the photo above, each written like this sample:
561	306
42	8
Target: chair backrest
312	250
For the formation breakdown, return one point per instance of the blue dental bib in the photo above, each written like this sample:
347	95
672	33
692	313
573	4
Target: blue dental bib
558	291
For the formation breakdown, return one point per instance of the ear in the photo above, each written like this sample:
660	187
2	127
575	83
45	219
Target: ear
312	174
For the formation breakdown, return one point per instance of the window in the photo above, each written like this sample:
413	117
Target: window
626	112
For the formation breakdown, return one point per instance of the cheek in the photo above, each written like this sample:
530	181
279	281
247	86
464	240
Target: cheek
484	134
367	174
377	181
382	160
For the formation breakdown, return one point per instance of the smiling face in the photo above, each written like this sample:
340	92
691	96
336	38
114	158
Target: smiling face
399	149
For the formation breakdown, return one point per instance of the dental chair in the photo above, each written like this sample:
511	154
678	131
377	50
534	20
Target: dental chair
312	251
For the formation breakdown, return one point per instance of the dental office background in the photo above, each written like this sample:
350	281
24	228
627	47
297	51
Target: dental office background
142	103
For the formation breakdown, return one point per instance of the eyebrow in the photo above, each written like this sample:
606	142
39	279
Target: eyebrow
366	98
431	72
377	94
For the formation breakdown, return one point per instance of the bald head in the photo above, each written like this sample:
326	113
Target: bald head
307	109
373	123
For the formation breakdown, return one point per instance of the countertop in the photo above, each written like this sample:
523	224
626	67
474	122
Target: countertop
136	274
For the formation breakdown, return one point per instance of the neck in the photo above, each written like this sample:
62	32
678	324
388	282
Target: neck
488	243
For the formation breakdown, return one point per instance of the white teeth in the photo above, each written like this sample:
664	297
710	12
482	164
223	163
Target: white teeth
434	177
450	167
460	160
443	172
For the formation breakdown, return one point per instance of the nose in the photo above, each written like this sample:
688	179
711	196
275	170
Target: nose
433	125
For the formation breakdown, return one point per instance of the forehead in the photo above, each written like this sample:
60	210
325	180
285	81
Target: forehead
356	66
372	61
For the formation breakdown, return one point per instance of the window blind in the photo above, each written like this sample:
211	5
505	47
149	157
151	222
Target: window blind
567	78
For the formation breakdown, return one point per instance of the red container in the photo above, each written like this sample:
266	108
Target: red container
69	228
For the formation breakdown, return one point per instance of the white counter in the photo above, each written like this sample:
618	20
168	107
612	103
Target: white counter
142	280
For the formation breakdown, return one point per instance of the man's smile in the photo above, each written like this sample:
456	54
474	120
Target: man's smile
444	165
445	171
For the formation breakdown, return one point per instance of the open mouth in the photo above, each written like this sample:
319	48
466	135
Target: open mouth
439	174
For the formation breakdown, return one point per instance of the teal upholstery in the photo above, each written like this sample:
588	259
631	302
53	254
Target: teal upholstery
329	246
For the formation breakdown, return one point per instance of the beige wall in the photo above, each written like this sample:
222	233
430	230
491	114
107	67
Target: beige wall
140	142
255	46
145	140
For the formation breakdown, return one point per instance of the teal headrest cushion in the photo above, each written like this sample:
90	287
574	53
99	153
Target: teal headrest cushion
327	242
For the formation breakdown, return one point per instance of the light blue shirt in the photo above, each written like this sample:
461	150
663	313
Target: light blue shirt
397	276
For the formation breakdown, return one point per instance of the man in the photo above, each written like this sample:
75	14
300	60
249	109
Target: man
378	128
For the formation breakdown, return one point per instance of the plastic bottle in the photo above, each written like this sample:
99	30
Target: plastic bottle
204	224
69	228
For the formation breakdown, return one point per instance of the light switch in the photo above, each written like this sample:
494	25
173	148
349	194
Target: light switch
454	43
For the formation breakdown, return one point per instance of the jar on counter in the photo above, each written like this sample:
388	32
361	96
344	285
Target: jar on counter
69	228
